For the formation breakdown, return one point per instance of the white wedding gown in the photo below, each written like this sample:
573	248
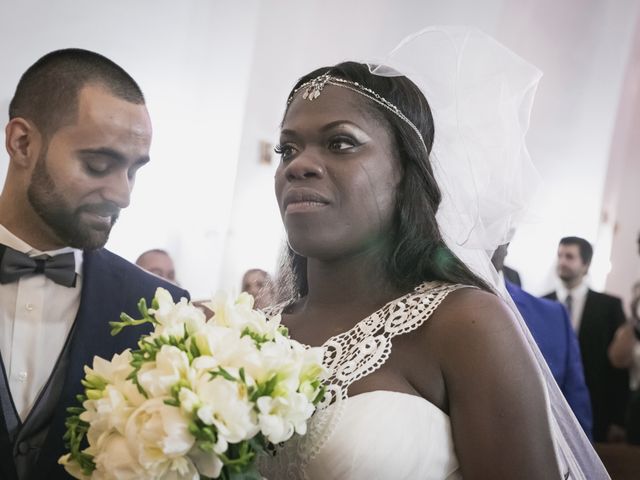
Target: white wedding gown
374	435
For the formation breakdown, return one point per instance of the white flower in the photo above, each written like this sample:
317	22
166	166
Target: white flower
175	319
112	397
106	415
105	372
230	312
258	323
72	467
213	340
226	405
188	400
207	463
280	359
311	371
279	417
157	378
115	462
158	435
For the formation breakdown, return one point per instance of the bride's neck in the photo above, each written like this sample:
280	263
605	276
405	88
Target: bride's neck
347	282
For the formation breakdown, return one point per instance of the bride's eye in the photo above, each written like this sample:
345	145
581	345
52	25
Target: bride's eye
284	150
342	143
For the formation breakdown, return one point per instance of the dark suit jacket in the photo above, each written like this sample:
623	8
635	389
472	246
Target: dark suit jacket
608	386
551	328
110	285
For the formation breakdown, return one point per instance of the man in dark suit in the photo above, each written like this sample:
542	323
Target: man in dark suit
595	317
78	132
550	327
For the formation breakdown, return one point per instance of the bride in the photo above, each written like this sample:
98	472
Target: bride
430	372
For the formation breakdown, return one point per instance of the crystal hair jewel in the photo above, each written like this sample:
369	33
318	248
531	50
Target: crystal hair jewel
313	88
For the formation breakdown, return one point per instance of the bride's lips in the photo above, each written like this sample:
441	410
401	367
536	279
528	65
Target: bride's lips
303	200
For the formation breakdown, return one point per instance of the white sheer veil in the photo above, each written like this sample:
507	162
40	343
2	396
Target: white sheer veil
481	95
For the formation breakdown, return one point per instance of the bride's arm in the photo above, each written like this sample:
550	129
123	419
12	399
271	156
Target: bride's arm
497	403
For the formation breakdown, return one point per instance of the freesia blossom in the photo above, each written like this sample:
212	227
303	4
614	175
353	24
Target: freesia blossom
115	462
231	312
72	467
157	378
107	414
235	420
174	320
105	372
158	435
207	463
280	417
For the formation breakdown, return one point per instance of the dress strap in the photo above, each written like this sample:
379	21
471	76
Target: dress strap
358	352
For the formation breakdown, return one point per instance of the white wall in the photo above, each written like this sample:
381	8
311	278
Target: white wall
582	46
192	59
621	199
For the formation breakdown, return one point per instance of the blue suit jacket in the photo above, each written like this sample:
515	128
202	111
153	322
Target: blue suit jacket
110	285
551	328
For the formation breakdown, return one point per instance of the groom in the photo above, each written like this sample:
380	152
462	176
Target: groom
78	132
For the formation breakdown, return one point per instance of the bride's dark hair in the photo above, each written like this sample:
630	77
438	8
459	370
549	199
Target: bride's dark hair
417	252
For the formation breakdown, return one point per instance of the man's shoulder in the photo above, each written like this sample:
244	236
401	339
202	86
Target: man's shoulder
551	295
547	306
605	302
132	275
603	297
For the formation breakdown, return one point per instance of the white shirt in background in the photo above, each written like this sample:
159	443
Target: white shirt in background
36	315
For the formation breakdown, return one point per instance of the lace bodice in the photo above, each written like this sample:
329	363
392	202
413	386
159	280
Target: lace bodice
344	439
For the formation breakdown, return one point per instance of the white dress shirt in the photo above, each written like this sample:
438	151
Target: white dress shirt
36	315
578	299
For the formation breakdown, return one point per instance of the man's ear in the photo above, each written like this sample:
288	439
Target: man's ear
23	142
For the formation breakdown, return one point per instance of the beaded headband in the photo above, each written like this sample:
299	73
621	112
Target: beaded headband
313	89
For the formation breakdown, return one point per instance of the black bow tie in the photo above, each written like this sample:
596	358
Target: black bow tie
13	265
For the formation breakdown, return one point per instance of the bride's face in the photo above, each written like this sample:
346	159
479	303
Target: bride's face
338	174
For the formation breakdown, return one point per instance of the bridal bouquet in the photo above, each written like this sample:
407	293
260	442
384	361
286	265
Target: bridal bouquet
198	399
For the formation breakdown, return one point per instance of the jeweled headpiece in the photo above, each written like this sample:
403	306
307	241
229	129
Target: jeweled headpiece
313	88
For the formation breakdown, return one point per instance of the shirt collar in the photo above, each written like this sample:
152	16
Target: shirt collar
578	291
10	240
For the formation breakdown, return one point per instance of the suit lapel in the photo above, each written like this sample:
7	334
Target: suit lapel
100	302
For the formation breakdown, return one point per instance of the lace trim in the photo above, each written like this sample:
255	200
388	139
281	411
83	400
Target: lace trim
350	356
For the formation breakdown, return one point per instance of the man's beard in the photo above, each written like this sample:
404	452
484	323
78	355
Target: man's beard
66	221
567	275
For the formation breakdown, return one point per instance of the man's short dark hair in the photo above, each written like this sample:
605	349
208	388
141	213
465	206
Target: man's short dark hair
47	93
586	250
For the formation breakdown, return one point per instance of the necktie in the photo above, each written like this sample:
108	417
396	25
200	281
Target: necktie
13	265
569	304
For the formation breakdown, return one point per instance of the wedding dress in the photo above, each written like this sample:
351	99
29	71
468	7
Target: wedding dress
378	434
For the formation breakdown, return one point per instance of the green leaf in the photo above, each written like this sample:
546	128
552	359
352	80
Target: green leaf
224	374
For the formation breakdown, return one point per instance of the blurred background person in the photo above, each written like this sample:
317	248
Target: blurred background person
258	284
550	327
158	262
595	317
624	352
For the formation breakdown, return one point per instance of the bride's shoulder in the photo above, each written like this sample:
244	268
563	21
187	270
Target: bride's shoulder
472	316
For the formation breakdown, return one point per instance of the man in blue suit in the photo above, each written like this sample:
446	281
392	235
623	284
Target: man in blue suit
78	132
550	327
